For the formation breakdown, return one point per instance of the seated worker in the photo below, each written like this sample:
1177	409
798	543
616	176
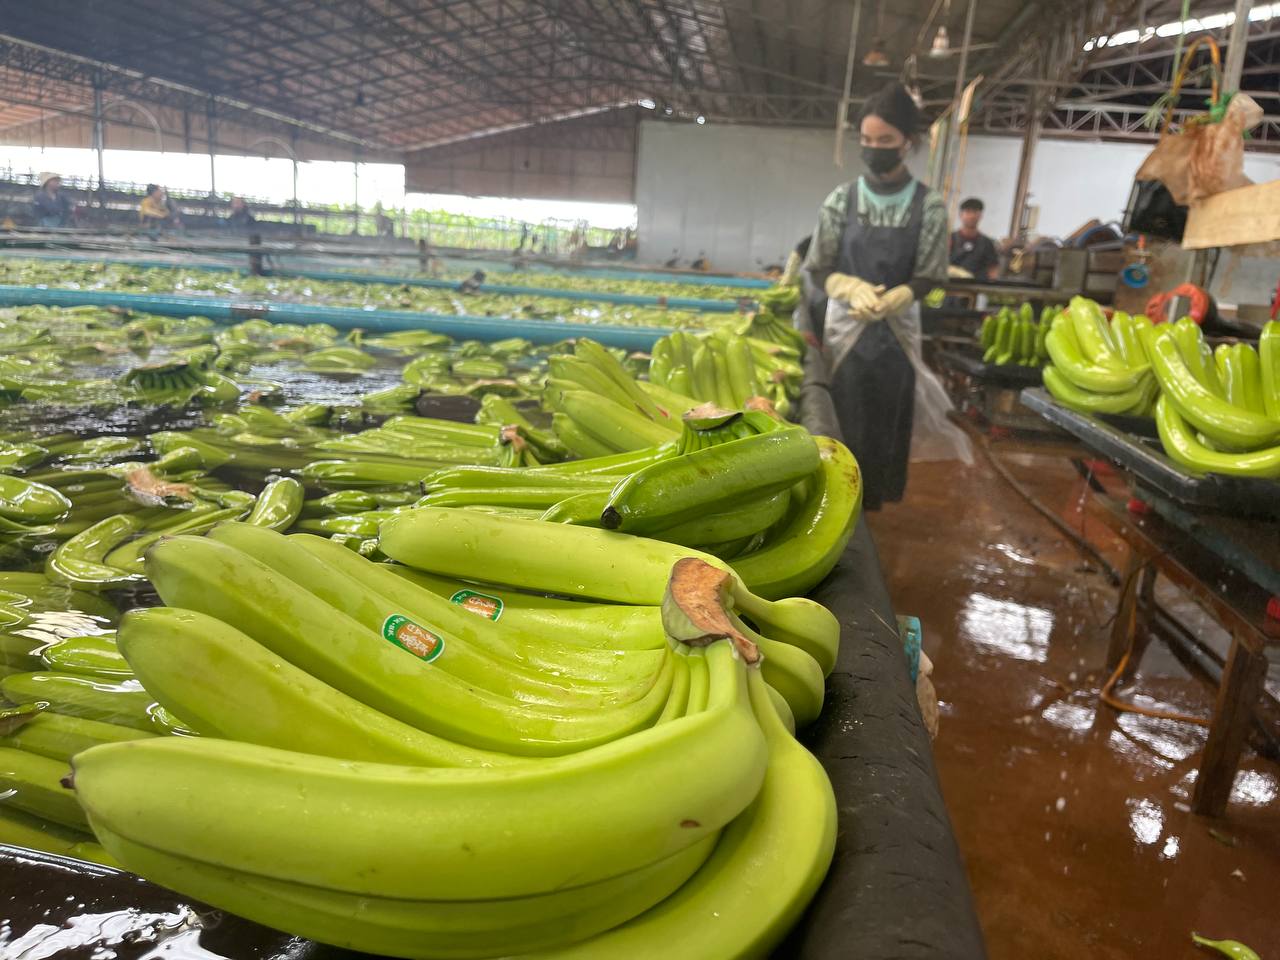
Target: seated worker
52	207
972	251
240	217
157	210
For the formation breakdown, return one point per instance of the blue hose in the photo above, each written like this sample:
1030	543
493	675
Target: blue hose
343	318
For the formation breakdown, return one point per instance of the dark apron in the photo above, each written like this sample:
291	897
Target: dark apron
874	386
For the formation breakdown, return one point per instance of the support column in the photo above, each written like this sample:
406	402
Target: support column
1234	67
1029	141
953	128
211	128
293	153
99	139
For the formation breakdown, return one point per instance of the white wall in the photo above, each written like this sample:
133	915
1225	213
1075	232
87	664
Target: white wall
744	195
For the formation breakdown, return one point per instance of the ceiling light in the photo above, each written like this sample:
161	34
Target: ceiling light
646	103
700	119
941	45
667	110
876	57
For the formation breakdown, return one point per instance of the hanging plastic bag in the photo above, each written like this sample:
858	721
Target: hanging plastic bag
933	435
1217	156
1207	155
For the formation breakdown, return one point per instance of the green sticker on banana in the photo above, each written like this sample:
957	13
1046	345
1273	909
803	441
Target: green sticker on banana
412	637
481	604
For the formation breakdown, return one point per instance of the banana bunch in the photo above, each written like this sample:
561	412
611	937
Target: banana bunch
742	486
522	725
598	408
1218	410
1007	338
180	382
772	321
728	368
58	665
1099	367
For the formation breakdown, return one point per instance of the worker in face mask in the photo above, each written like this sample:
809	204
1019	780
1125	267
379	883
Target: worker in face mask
880	244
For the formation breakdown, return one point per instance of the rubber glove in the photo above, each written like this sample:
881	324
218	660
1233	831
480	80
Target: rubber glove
894	301
853	290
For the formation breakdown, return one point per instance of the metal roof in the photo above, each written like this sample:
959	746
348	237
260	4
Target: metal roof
396	76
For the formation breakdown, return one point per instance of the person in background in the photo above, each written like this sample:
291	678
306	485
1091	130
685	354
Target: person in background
972	251
156	210
383	225
52	206
240	217
880	244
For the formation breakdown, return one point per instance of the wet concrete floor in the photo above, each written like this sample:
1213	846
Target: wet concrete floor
1073	820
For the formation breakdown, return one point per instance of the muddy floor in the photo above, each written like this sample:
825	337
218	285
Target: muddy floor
1073	820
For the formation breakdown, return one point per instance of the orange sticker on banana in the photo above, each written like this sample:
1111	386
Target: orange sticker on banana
412	637
481	604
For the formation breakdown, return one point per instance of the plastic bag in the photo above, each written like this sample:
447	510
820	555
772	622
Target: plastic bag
1204	158
1217	155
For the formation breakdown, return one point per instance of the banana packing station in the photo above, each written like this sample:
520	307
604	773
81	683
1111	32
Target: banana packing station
682	479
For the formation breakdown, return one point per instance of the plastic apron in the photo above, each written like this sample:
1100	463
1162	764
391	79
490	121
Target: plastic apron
873	380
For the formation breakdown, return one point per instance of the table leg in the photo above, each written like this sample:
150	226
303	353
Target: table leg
1242	679
1126	620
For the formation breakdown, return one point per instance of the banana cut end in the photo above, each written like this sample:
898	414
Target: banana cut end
694	608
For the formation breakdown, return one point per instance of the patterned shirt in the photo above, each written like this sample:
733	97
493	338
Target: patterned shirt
882	209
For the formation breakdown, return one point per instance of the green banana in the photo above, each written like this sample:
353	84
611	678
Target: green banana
766	868
481	652
60	736
128	556
1097	343
792	673
1269	362
610	423
540	497
1181	444
673	490
26	501
806	549
513	831
184	658
578	441
390	671
1136	400
78	562
583	509
1199	405
607	364
748	516
20	829
1196	354
472	477
93	655
583	562
123	702
33	784
1086	374
619	626
278	505
427	929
